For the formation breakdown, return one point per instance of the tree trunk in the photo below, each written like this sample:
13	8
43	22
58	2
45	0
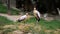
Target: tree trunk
8	7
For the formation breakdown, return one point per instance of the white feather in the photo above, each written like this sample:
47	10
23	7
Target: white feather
37	12
23	17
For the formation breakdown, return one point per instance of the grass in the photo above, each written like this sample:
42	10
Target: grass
45	25
7	31
5	21
54	24
3	9
51	25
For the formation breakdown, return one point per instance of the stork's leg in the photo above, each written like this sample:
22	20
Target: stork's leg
37	21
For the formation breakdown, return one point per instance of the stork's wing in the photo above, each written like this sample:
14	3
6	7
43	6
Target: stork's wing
37	16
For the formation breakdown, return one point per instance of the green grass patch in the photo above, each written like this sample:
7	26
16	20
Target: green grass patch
5	21
14	12
3	9
54	24
7	31
31	20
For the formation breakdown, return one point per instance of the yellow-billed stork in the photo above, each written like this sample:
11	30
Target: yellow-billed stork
22	18
36	14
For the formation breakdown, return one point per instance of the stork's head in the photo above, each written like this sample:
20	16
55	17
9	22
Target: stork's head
27	14
34	8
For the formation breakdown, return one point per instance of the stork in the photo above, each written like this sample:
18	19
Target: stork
36	14
22	18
